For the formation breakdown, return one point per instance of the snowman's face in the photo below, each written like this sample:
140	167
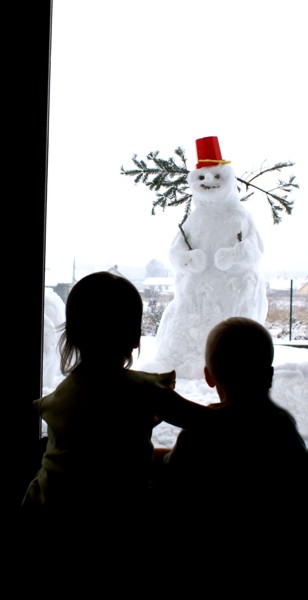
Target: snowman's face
211	183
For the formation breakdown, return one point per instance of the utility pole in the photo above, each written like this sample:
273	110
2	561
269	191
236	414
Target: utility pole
291	308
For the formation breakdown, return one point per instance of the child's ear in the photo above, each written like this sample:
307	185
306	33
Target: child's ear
208	378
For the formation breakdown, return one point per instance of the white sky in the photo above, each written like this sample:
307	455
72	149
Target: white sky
128	77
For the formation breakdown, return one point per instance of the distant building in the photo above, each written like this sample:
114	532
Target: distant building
284	283
114	270
303	289
159	286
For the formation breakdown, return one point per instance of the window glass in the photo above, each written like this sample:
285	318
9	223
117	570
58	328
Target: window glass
128	81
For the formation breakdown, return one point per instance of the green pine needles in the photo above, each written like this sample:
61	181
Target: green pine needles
168	179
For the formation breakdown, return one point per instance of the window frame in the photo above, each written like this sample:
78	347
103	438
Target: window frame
28	117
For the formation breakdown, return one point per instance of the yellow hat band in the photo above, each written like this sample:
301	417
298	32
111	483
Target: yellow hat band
213	160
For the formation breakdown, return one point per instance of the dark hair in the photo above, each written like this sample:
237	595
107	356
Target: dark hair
240	351
103	321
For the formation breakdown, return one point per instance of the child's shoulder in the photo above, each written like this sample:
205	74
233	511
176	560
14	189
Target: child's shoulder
67	392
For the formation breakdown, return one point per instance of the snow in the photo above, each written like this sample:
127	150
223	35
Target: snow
54	317
217	275
290	387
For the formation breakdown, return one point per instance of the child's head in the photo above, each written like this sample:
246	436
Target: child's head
238	357
103	321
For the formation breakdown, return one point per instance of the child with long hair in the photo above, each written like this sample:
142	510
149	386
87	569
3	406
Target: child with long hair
98	461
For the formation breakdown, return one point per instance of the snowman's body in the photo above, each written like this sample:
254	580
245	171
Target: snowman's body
219	277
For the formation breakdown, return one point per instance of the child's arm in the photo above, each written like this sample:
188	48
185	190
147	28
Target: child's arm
181	412
163	379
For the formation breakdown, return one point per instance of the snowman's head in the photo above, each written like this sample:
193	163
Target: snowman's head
212	184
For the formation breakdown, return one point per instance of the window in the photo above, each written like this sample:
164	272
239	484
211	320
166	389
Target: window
125	81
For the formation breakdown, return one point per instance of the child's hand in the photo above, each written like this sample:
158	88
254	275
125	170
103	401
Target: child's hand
166	379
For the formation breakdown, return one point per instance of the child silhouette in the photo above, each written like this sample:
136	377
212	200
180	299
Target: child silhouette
249	467
98	460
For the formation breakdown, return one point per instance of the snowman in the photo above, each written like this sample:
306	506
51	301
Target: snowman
216	260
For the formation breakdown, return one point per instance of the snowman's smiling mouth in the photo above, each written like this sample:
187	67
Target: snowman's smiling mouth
209	187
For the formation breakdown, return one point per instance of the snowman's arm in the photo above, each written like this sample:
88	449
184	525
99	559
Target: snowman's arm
184	259
247	249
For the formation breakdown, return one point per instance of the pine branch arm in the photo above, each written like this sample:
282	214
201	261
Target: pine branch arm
185	237
170	176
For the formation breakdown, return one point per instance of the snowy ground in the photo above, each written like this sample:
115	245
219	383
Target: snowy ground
290	387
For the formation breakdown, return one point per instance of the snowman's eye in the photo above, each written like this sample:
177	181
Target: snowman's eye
201	177
217	176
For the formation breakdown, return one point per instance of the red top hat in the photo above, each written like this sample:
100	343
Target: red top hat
208	152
